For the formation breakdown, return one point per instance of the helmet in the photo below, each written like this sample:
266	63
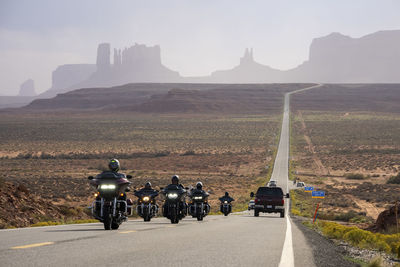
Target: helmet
114	165
226	194
147	185
175	179
199	185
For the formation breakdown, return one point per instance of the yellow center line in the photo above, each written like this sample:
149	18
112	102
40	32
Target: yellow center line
170	226
127	232
33	245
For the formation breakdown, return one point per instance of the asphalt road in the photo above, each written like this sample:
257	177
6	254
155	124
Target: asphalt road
237	240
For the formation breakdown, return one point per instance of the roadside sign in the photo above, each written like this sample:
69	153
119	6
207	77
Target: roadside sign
318	194
308	188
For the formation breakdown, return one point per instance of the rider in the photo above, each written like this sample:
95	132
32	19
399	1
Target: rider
198	189
114	167
147	189
175	181
226	197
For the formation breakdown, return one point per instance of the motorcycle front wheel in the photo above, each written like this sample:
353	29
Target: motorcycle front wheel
174	216
107	220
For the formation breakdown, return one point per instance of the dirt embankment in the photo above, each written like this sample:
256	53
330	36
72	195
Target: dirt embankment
20	208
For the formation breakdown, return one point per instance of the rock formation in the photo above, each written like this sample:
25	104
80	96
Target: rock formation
103	57
248	71
27	88
335	58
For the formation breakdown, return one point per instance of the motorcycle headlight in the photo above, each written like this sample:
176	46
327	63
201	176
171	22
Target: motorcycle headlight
225	201
107	186
198	197
146	199
172	195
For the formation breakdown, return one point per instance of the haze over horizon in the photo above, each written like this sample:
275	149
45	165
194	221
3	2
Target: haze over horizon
196	38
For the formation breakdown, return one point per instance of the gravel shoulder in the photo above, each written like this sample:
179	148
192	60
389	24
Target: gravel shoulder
325	252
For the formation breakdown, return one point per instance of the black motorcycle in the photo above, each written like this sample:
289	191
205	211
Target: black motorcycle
226	206
147	207
198	206
174	207
111	206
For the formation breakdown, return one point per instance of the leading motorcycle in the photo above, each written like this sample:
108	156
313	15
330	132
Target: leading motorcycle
111	206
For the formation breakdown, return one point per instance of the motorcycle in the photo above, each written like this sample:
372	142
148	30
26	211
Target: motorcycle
174	207
226	207
147	207
111	206
198	206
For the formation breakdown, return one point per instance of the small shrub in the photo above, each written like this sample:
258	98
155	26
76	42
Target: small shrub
355	176
346	217
398	251
189	153
68	211
376	262
394	179
48	223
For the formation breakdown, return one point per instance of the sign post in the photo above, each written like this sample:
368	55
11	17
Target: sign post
317	194
315	213
396	210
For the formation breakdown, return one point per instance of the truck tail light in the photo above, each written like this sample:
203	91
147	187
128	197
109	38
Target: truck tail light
256	200
283	202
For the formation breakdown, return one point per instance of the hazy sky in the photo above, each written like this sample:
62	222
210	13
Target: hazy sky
196	37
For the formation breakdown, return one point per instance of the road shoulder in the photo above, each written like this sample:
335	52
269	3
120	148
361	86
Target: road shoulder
324	251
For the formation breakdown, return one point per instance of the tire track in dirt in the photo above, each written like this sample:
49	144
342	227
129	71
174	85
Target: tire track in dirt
370	209
322	170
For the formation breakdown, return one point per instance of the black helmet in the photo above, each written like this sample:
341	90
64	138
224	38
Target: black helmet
226	194
199	185
147	185
175	179
114	165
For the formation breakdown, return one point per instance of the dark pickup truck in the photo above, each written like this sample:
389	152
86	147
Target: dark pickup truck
270	200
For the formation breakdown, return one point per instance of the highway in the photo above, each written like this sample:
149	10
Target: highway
237	240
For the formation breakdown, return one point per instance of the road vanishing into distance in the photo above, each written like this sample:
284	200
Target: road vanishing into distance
236	240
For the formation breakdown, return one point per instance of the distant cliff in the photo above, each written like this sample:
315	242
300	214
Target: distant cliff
138	63
336	58
27	88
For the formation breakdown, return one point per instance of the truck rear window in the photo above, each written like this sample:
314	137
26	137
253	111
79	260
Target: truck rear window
270	191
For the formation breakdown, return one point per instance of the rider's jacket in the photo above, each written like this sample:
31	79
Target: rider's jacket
111	174
226	198
198	191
